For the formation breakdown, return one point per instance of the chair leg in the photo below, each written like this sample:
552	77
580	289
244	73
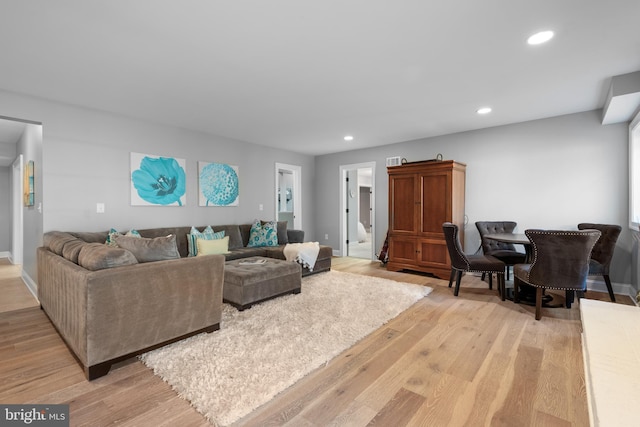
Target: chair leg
609	287
569	296
451	276
516	295
538	303
482	277
458	278
490	281
508	272
501	286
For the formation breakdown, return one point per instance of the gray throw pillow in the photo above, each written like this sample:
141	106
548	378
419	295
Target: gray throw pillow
150	249
98	256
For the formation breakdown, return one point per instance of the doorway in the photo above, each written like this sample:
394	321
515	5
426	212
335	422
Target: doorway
288	198
357	234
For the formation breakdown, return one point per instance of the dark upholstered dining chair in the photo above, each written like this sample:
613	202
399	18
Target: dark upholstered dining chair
560	261
603	251
505	252
460	262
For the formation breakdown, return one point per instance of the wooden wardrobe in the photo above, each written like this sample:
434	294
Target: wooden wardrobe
422	196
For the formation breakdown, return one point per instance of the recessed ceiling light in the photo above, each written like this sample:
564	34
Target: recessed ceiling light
541	37
348	138
483	110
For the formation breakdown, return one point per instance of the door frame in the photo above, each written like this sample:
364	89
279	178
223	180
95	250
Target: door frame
297	192
343	197
17	188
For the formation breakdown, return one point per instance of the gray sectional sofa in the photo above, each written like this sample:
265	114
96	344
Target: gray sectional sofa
109	307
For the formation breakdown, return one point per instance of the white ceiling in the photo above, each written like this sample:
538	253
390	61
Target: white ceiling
299	75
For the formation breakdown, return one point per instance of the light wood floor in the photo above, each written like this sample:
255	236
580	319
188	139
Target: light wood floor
466	361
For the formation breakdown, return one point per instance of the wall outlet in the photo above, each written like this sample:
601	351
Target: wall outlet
326	237
261	206
99	207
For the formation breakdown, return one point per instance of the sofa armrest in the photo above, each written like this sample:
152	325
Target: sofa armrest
295	236
113	312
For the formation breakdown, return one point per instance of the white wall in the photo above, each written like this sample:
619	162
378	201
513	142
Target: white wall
86	160
551	173
30	146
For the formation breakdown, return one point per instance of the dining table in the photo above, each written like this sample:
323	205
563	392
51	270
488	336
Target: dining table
514	239
527	293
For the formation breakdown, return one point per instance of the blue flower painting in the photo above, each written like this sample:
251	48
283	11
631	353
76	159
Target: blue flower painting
218	184
157	180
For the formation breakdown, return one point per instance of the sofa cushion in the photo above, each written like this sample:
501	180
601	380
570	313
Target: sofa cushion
245	253
71	250
150	249
263	234
295	236
98	256
212	247
55	240
233	231
91	236
283	236
245	231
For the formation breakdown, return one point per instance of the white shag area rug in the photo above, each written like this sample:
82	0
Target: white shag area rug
260	352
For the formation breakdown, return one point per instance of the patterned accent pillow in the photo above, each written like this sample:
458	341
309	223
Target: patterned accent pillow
113	233
206	234
263	234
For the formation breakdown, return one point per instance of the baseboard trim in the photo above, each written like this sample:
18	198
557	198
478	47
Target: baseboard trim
5	254
31	284
598	285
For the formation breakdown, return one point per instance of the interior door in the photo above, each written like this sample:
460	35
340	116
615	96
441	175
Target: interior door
288	197
354	210
365	207
352	206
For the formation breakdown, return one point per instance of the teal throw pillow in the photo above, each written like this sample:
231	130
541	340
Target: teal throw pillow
206	234
263	234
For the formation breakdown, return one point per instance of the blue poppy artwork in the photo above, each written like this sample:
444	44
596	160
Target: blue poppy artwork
157	180
218	184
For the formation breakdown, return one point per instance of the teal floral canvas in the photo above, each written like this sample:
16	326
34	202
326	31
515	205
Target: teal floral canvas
218	184
157	180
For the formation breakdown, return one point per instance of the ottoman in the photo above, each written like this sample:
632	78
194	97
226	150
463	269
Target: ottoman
255	279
